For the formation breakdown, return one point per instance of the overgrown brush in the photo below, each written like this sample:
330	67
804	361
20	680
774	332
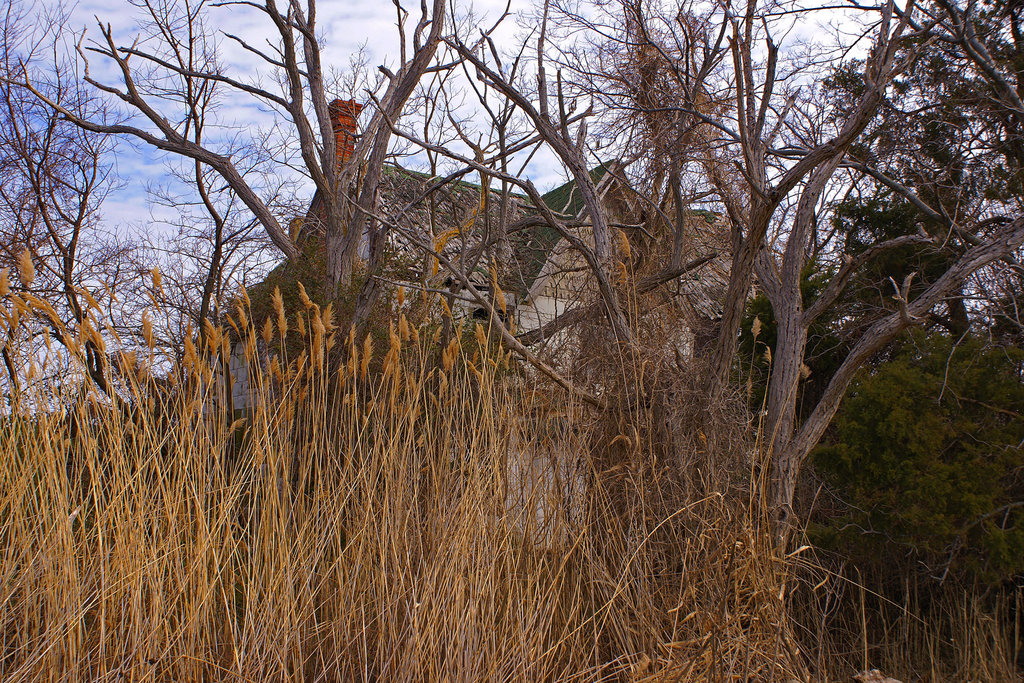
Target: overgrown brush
917	632
419	510
414	512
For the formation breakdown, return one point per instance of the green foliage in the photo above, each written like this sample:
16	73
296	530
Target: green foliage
941	130
422	312
866	222
1005	312
286	278
927	457
310	272
861	223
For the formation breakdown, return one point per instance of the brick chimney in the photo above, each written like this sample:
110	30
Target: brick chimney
343	119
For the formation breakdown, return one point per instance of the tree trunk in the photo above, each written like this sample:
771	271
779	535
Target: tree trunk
741	278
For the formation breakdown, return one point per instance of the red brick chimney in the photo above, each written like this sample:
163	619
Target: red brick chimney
343	119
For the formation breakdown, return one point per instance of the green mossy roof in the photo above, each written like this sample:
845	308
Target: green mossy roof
531	247
563	200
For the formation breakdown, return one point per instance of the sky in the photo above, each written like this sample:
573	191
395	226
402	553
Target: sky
347	26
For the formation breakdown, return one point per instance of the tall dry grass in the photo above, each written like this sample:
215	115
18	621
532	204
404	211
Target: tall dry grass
406	510
915	632
412	509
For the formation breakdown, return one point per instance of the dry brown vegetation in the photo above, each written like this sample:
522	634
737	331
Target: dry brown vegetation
415	511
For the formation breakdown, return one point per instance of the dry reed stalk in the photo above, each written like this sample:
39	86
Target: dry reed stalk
358	524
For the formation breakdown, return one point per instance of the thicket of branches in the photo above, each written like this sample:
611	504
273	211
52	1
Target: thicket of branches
863	188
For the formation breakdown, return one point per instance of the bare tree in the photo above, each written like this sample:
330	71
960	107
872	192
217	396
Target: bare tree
516	118
772	155
207	250
733	113
168	72
715	111
975	238
55	178
553	122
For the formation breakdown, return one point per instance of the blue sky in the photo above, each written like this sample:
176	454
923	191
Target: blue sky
347	26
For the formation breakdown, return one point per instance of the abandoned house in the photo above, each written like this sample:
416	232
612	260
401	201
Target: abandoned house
498	238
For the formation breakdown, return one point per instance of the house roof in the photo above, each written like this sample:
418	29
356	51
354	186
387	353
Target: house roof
565	200
456	211
457	206
458	218
542	238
